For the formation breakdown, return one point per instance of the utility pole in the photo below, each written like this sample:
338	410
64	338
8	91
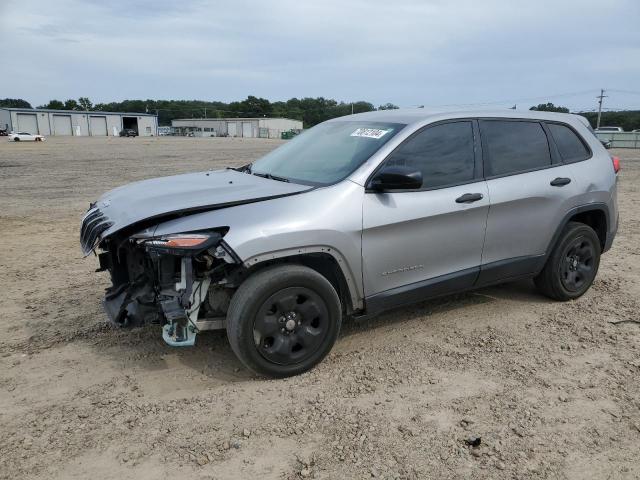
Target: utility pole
600	97
205	112
351	108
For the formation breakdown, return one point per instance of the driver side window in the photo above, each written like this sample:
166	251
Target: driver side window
443	153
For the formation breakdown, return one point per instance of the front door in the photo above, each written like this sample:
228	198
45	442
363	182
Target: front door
433	236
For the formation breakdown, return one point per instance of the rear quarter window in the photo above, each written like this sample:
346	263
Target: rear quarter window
571	147
513	147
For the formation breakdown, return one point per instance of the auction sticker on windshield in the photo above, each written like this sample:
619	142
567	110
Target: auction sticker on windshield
370	133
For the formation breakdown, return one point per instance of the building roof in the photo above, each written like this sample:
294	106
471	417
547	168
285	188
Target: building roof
92	112
232	119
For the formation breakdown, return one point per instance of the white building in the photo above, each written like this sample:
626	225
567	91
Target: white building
76	123
236	127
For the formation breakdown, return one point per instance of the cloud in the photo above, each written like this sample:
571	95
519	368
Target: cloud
408	52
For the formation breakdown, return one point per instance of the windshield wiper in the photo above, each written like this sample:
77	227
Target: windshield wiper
247	169
243	168
271	177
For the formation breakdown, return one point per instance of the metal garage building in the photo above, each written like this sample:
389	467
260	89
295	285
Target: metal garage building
235	127
76	123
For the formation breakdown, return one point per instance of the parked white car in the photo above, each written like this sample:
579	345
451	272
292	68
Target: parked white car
25	137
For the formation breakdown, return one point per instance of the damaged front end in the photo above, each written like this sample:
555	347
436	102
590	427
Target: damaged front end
182	282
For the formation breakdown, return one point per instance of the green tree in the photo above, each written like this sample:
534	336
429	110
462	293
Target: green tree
85	103
388	106
627	119
251	107
361	107
53	105
310	110
14	103
550	107
71	104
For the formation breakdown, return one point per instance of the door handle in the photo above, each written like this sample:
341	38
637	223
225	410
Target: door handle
560	182
469	198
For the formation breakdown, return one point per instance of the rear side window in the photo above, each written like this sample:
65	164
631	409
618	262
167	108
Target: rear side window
513	147
443	153
571	148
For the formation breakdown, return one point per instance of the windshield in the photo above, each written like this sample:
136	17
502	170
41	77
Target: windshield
326	153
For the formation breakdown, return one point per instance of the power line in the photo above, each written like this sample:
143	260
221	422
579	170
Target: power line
519	100
621	109
631	92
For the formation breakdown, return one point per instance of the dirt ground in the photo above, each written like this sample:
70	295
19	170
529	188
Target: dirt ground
552	389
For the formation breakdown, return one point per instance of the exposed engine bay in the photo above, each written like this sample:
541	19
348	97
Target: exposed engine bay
183	282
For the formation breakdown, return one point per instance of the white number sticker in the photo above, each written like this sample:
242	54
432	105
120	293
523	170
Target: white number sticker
370	133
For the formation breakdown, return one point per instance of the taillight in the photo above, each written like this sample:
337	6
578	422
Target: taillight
616	163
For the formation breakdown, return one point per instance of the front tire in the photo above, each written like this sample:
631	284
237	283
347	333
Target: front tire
573	264
16	139
283	320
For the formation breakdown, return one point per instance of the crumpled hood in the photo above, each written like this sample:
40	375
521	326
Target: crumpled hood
196	192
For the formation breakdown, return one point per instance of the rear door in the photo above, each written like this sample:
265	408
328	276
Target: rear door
416	239
530	191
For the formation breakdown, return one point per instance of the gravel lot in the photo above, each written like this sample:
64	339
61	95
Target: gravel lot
552	389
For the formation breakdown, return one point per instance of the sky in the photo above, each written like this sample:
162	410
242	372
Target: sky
408	52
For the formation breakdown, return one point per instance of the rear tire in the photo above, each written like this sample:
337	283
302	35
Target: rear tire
573	264
16	139
283	320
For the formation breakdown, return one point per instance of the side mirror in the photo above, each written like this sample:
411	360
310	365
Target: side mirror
395	177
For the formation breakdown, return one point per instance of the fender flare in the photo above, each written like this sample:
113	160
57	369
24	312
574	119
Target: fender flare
352	285
590	207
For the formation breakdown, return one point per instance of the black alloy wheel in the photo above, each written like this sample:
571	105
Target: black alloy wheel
572	264
283	320
290	325
577	267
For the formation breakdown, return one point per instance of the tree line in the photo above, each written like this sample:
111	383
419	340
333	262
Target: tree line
310	110
627	119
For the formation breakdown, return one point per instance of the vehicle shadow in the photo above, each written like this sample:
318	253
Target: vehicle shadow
212	357
522	291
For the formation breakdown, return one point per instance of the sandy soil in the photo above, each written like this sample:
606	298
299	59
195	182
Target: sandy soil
552	389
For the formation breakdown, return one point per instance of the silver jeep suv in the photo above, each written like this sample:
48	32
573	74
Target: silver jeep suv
357	215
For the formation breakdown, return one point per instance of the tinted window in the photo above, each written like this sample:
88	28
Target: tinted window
443	153
514	147
569	145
